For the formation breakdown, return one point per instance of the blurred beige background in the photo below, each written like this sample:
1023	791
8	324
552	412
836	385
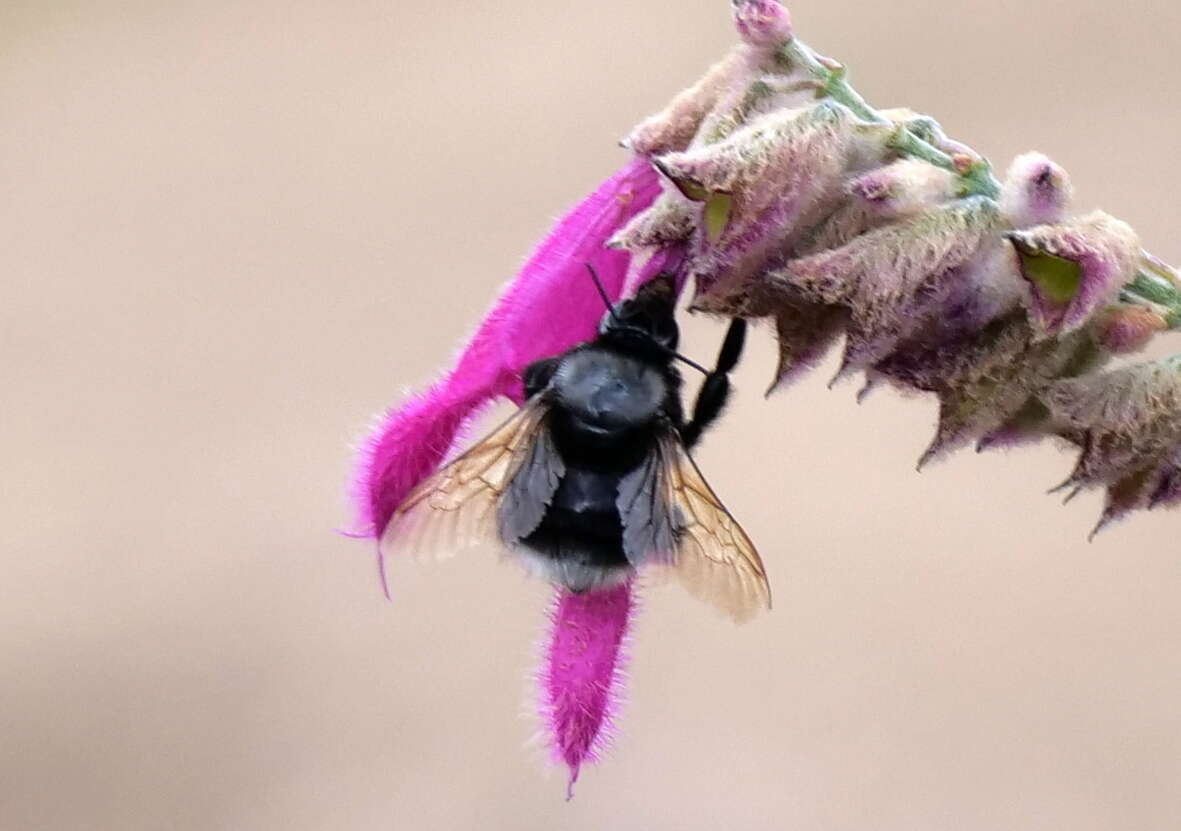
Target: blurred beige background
232	231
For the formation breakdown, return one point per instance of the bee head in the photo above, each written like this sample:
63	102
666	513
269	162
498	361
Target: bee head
648	318
645	324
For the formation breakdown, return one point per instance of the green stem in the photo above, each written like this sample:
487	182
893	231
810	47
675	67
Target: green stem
831	74
976	175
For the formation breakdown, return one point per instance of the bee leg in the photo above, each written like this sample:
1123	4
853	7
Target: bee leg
732	346
712	397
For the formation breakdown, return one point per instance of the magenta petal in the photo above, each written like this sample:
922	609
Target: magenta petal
550	306
553	304
406	447
581	677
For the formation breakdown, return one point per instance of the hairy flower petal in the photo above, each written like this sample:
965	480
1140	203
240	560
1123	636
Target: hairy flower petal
875	269
582	674
1168	489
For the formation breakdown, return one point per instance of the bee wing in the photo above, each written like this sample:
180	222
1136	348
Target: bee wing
649	516
714	558
500	486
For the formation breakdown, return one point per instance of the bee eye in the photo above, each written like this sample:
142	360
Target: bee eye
666	333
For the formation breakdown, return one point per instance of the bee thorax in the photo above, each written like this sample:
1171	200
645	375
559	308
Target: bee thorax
605	392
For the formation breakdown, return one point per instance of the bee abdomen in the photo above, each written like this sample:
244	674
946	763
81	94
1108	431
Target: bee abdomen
577	561
579	542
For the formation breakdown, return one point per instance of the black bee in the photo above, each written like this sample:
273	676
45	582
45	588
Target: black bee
591	478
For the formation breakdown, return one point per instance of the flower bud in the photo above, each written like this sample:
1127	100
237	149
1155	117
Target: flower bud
1131	414
762	23
904	188
1075	268
749	82
1123	329
883	195
1036	191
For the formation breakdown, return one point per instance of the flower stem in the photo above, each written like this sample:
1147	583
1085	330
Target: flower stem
1159	290
1156	285
976	174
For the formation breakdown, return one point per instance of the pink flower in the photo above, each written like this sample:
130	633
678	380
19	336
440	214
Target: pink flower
550	306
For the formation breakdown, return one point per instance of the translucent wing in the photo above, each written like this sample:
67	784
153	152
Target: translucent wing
512	473
715	559
650	520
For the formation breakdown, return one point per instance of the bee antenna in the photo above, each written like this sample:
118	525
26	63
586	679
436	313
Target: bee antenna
611	310
690	362
602	291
